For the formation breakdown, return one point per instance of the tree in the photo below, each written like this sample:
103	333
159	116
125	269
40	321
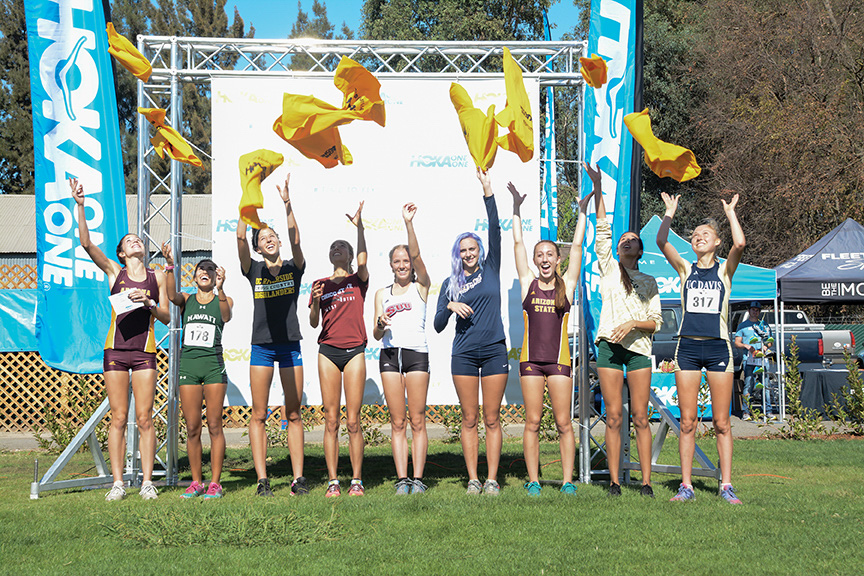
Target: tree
318	26
16	121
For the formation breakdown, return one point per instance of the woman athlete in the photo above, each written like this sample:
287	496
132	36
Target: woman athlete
131	345
400	320
275	338
703	339
629	317
545	358
202	368
479	357
337	303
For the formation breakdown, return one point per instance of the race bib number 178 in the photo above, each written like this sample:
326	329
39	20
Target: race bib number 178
201	335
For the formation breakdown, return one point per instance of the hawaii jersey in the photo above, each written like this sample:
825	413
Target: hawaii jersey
407	314
133	330
342	312
705	301
545	337
274	318
202	328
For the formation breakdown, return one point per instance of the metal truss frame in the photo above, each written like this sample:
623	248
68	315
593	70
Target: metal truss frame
196	61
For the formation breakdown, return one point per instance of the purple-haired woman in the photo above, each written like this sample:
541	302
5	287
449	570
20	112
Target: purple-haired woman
479	358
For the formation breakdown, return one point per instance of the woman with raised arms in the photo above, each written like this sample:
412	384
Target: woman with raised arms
400	322
479	355
337	303
275	339
130	346
703	339
629	317
545	359
202	368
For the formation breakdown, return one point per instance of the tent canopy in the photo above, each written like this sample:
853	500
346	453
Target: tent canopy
749	282
831	270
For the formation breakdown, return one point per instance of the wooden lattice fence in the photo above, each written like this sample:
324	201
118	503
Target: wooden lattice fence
29	390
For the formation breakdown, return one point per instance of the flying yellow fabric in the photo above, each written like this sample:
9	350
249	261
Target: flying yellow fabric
516	116
593	70
664	159
479	129
311	126
361	89
127	55
167	140
254	168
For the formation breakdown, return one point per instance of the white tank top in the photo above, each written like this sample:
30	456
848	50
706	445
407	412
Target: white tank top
407	320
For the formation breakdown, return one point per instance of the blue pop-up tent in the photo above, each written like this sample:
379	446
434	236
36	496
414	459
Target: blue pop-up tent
749	282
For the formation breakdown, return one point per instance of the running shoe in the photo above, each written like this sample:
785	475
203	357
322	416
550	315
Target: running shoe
685	494
647	491
754	340
614	489
491	488
728	494
568	488
299	487
194	490
533	488
474	487
213	491
746	417
403	486
356	488
263	487
148	491
333	490
418	486
117	492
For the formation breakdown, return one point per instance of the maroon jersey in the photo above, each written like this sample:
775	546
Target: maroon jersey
133	330
342	312
545	337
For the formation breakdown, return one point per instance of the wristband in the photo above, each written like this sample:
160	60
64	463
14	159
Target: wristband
152	305
169	268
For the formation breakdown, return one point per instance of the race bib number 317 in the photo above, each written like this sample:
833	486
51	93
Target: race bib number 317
703	301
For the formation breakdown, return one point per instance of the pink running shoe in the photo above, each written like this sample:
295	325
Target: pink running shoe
213	491
194	490
333	490
356	488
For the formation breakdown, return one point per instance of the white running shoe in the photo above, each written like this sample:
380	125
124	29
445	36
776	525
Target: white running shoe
148	491
117	492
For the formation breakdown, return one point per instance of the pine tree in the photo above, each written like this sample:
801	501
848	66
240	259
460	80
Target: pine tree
16	120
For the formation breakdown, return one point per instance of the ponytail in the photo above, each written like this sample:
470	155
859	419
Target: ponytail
625	279
561	302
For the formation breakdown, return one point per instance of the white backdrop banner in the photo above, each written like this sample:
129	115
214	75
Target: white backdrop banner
420	157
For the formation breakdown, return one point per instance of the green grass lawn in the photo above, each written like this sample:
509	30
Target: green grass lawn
803	514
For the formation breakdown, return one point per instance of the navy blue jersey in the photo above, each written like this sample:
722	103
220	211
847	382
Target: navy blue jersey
705	301
482	292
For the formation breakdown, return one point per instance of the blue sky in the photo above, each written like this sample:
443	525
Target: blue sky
274	19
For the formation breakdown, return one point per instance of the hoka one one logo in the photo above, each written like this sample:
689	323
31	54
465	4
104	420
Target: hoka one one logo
429	161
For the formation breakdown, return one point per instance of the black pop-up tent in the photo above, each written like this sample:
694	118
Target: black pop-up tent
829	271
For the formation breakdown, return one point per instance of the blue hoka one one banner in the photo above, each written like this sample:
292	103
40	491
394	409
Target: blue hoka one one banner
613	30
75	134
